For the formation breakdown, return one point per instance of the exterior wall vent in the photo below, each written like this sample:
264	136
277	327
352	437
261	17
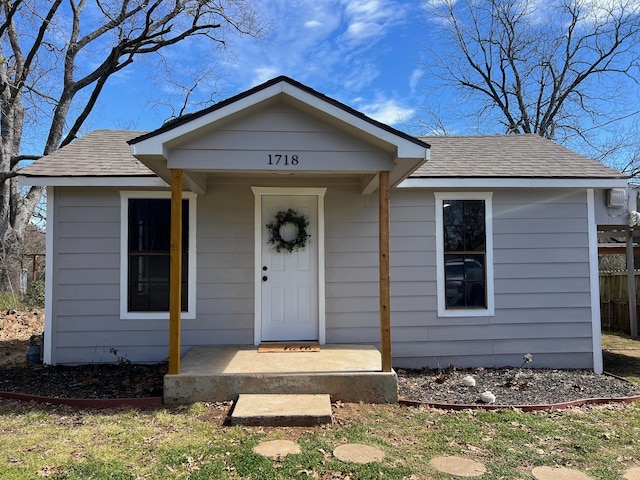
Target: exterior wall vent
616	198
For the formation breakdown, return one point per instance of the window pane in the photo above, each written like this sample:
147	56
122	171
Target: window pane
464	225
474	238
159	268
454	238
149	225
454	280
465	281
473	211
453	212
474	222
159	297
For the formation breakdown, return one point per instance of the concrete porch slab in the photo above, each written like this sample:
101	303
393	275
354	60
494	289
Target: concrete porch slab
281	410
350	373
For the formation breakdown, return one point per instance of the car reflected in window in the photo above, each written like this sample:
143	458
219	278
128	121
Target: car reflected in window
465	281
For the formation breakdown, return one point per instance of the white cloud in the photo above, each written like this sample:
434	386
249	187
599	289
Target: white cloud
363	31
338	47
599	11
370	18
262	74
439	3
333	43
312	24
371	10
387	111
415	78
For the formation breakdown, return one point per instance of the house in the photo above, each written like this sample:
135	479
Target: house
297	218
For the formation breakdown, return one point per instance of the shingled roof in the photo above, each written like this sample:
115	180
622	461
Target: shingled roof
101	153
106	153
507	156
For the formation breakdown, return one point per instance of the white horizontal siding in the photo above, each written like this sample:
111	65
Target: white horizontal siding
279	130
542	289
541	278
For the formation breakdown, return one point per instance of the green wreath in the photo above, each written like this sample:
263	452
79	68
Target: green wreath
282	218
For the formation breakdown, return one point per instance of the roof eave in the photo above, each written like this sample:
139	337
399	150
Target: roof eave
92	181
514	182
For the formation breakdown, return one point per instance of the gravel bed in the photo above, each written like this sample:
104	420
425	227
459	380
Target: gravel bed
510	386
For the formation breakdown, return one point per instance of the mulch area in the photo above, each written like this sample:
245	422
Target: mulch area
85	381
511	386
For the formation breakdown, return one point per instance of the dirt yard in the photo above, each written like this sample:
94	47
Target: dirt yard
16	329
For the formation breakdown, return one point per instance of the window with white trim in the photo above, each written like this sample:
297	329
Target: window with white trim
464	245
145	255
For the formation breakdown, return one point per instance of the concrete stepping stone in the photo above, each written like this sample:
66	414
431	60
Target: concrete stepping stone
358	453
632	473
460	467
558	473
277	448
273	410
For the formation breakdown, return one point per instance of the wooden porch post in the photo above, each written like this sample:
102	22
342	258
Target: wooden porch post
385	296
175	272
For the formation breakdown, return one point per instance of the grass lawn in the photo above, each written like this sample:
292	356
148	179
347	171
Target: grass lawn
622	356
194	443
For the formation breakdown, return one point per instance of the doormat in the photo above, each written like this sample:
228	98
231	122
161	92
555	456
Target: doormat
288	347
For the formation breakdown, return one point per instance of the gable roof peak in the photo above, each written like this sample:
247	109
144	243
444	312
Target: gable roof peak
301	92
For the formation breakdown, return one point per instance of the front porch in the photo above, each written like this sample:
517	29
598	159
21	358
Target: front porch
349	373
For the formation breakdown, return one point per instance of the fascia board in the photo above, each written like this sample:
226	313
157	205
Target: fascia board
514	183
155	145
405	148
92	181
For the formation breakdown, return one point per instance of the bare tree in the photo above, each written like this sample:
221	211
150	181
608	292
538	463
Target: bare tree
56	58
561	69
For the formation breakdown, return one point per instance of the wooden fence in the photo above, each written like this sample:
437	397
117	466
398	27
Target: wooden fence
614	301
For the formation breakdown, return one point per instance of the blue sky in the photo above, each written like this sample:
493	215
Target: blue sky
365	53
368	54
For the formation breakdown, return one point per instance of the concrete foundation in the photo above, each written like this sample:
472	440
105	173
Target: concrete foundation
349	373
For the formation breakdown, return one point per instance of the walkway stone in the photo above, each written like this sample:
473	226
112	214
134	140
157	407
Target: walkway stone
461	467
277	448
358	453
632	474
281	410
558	473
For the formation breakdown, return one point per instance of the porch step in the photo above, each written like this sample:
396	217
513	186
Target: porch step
275	410
349	373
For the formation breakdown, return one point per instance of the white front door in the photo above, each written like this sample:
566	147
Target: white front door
289	280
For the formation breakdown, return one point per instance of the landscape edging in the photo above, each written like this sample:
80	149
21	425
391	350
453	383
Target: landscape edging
85	402
524	408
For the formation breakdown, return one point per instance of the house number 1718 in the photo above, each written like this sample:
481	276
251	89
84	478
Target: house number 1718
284	160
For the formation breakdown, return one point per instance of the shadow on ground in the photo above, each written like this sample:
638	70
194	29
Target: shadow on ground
623	363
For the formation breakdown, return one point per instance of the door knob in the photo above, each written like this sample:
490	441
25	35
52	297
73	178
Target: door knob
264	268
264	279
